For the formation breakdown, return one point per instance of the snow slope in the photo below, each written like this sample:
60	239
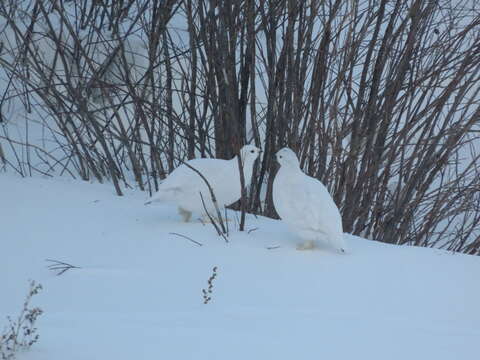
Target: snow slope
138	292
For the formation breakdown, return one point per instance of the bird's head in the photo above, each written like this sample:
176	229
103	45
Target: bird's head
249	153
286	157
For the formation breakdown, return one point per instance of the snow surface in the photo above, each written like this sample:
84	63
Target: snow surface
138	292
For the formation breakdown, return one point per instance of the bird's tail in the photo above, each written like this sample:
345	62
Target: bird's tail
338	243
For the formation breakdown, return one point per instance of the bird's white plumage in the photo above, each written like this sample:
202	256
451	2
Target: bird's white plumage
305	204
183	186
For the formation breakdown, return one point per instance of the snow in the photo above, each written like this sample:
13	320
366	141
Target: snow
138	292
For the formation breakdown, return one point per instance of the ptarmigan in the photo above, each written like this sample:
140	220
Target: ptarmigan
183	186
305	205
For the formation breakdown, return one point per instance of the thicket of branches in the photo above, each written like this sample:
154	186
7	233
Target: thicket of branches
380	99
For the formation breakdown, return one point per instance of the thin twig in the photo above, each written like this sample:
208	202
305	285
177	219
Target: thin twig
186	237
212	220
60	267
212	195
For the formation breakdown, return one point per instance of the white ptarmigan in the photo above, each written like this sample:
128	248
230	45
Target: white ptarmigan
305	205
183	186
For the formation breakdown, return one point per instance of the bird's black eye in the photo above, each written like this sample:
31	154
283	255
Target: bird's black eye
280	156
252	151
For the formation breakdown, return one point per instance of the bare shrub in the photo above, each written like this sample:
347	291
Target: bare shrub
21	333
378	98
207	293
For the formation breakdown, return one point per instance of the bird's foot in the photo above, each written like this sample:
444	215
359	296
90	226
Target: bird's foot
307	245
185	214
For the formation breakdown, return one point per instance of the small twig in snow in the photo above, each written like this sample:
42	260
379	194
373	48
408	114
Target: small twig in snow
186	237
60	267
252	230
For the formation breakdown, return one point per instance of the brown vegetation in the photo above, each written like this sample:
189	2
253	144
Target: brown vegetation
380	99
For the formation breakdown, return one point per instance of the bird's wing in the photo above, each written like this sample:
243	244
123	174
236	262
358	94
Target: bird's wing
184	179
216	171
325	211
292	199
306	204
184	176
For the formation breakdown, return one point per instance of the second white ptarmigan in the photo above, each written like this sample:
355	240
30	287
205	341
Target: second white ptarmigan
305	205
183	186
